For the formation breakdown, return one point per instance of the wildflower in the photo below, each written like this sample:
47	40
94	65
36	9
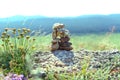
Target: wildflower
2	36
27	37
22	34
24	29
34	39
7	40
33	47
8	36
12	46
21	47
19	30
4	33
3	40
25	32
6	29
28	30
18	37
22	76
14	30
2	45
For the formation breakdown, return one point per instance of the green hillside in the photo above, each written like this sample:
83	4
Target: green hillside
80	24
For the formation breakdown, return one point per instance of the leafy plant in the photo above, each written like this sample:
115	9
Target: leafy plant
16	44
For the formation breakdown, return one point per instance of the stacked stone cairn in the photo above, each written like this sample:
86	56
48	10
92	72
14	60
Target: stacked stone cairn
61	38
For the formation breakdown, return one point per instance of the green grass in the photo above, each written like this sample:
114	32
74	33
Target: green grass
102	73
96	41
87	41
43	43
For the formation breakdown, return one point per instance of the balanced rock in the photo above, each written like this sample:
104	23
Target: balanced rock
60	38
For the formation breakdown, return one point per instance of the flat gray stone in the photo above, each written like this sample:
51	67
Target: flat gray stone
65	56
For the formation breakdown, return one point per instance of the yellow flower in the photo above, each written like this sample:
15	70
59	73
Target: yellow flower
2	45
12	46
7	40
2	36
19	30
4	33
24	29
8	35
21	47
3	40
27	37
25	32
34	39
28	30
14	32
14	29
22	34
18	37
33	47
6	29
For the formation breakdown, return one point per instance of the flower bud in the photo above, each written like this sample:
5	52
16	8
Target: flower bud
3	40
25	32
4	33
33	47
14	29
14	32
21	47
6	29
8	35
19	30
28	30
2	45
2	36
12	46
34	39
27	37
22	34
18	37
24	29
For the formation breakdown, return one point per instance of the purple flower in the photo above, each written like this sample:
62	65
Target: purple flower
22	76
12	76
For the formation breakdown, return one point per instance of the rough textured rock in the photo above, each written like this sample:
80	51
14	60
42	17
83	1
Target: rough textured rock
68	61
65	56
64	44
61	38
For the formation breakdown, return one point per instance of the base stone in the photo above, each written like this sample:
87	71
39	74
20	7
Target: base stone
65	56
